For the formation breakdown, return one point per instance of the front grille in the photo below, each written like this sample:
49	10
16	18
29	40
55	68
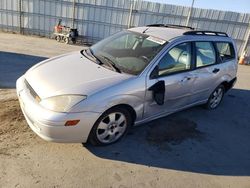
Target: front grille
32	91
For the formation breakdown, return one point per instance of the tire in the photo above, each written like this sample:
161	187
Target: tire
74	40
215	98
66	40
110	127
58	38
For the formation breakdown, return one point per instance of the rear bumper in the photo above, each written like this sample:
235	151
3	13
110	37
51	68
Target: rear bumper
49	125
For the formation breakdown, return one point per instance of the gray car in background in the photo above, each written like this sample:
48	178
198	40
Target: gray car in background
129	78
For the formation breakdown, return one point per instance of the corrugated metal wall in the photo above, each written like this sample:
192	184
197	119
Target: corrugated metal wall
97	19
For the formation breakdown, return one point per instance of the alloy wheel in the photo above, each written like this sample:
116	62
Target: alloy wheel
111	127
216	98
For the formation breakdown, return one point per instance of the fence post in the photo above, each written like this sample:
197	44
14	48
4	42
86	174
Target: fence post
73	14
20	17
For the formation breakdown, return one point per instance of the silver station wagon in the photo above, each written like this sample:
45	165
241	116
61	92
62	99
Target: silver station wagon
129	78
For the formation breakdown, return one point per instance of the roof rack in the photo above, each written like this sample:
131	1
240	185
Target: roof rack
209	33
170	26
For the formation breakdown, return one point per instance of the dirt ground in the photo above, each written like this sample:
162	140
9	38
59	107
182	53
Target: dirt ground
192	148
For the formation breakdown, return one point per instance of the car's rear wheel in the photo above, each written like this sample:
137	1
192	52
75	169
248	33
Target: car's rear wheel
110	127
216	97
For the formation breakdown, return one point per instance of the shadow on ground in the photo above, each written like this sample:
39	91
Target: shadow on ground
195	140
13	65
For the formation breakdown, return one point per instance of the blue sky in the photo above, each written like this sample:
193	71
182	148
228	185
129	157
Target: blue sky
228	5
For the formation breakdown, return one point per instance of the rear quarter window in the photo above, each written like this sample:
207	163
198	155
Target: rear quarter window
225	50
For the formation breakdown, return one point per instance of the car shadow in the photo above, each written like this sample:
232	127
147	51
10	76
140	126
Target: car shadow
194	140
13	65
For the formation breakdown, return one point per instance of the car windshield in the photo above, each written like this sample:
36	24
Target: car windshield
127	51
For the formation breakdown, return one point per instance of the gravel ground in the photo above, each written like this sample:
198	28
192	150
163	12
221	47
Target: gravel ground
192	148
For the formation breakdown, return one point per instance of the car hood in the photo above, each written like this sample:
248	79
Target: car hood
70	74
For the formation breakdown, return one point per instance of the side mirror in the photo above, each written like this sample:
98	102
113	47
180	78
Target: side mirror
158	90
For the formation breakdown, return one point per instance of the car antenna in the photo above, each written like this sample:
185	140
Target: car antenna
153	24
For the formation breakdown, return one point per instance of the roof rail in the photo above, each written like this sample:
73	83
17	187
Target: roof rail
170	26
209	33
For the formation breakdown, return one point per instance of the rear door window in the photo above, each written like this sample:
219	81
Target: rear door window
225	50
205	54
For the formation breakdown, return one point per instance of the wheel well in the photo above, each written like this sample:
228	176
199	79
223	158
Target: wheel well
127	107
227	85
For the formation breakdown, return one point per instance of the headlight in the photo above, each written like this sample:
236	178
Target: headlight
62	103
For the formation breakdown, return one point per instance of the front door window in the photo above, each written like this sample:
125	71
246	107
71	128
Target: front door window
176	60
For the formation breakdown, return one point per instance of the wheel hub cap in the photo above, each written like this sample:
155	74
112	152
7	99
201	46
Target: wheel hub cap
216	98
111	127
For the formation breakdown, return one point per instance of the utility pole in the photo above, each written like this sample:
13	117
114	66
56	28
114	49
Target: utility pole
130	13
190	13
247	38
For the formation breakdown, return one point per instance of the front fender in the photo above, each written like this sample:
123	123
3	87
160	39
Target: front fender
135	102
131	92
102	104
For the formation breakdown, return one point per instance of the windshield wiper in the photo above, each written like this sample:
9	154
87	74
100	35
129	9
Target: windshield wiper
88	55
91	53
94	56
111	64
97	59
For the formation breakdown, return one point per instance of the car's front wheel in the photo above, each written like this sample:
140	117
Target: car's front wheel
215	98
110	127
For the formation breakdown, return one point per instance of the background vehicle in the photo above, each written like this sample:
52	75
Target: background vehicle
130	78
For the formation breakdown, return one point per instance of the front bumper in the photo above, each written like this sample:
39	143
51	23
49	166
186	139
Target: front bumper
49	125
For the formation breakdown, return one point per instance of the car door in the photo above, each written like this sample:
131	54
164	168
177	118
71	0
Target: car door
173	69
207	71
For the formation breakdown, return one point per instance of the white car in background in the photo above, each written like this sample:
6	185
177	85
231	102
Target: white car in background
129	78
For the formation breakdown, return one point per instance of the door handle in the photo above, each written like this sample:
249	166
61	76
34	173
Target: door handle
216	70
185	79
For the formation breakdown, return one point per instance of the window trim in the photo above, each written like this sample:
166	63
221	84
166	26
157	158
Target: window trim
193	57
177	72
231	50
